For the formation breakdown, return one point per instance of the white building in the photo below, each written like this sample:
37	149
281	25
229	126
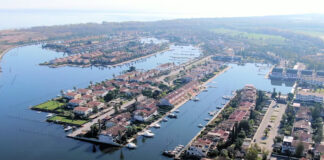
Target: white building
287	145
82	111
304	96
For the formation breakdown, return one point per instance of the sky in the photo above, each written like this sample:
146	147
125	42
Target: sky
190	8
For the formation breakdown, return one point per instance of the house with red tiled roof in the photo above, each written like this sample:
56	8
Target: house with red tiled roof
199	147
84	91
97	104
72	95
218	135
82	111
100	93
238	115
76	102
88	98
146	113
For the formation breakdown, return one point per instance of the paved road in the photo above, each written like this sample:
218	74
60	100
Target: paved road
272	117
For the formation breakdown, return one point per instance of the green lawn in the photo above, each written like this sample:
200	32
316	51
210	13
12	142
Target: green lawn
49	105
61	119
256	38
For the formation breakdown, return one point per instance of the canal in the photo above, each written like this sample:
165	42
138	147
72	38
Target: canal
23	83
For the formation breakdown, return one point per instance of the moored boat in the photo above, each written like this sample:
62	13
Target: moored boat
148	133
131	146
157	125
68	128
171	115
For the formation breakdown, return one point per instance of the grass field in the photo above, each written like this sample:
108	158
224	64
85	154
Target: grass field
49	105
256	38
320	90
60	119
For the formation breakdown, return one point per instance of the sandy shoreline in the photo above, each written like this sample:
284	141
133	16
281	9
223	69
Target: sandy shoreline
4	52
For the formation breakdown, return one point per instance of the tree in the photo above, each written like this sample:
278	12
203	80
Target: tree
224	153
72	116
290	96
274	93
95	109
110	96
300	149
131	69
252	153
116	108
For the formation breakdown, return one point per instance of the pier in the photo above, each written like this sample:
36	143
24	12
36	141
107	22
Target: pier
177	156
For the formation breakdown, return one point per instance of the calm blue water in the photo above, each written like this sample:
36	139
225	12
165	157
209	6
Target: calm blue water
30	18
25	134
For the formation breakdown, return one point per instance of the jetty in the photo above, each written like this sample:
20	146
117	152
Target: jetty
177	156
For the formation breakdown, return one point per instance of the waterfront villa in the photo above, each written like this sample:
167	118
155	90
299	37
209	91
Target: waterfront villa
76	102
199	147
82	111
72	95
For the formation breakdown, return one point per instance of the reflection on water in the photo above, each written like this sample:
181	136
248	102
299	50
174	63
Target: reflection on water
277	82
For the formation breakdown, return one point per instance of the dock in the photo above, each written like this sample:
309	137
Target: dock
268	74
177	156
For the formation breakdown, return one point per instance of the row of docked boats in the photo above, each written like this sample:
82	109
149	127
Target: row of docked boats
174	152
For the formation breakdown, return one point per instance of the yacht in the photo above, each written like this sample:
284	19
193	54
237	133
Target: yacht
131	146
171	115
157	125
200	125
148	133
68	128
227	97
177	111
50	115
219	107
207	119
196	99
164	120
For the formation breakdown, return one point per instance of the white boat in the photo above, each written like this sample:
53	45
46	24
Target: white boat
67	128
164	120
205	90
227	97
157	125
148	133
177	111
171	115
196	99
207	119
39	112
50	115
200	125
131	145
